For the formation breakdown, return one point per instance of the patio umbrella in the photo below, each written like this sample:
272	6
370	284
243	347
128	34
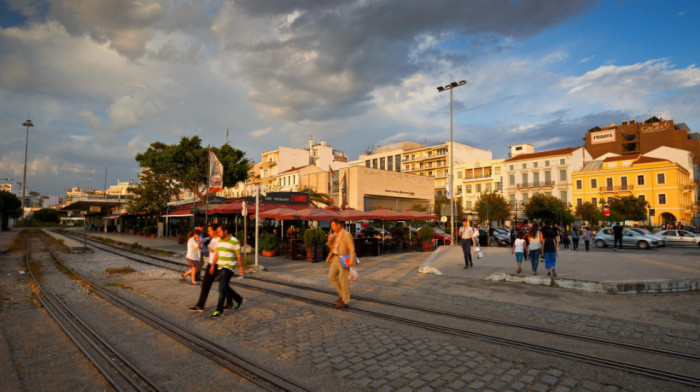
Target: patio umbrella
417	215
317	214
352	214
279	213
385	214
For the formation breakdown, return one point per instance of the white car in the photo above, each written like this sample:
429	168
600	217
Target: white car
680	237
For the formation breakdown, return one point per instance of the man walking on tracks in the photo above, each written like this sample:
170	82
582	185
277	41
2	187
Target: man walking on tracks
340	242
225	262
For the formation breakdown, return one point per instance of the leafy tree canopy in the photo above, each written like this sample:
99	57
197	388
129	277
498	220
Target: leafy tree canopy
9	206
153	193
187	163
546	208
492	206
589	213
628	208
47	215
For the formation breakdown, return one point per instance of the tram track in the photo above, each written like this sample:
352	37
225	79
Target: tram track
246	369
490	338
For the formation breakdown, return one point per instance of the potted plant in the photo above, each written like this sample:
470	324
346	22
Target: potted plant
314	238
426	235
150	231
268	244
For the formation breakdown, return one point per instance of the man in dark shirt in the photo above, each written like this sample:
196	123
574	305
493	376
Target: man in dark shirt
617	236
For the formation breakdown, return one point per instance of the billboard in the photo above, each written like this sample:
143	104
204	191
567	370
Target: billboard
600	137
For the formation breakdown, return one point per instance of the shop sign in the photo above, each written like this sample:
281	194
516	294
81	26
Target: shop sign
95	208
600	137
656	127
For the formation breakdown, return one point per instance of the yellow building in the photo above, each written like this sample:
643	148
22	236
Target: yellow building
665	185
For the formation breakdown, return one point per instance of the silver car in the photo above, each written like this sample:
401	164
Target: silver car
604	238
660	239
680	237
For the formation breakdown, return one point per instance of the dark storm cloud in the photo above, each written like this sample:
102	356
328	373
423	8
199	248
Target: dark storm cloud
361	45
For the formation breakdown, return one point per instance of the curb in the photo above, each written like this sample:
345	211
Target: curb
629	287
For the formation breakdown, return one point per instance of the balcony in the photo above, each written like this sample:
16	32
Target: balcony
616	188
536	184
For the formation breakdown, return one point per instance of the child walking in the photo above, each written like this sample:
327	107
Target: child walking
520	250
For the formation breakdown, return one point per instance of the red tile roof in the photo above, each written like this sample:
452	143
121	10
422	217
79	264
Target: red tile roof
294	169
562	151
644	159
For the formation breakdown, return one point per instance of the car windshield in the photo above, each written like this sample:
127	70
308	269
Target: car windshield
640	231
439	231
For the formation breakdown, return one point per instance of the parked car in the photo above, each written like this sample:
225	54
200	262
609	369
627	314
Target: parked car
371	232
442	237
680	237
501	239
662	241
630	238
399	232
691	229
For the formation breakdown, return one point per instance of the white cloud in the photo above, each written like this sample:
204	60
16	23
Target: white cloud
260	133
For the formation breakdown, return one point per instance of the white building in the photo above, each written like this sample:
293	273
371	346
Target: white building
528	172
385	157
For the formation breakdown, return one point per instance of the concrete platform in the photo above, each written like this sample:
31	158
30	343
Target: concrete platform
72	245
600	270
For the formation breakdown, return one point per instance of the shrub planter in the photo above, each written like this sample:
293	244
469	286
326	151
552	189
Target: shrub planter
427	246
314	238
269	253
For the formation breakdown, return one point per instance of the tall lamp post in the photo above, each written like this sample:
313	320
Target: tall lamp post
26	124
440	89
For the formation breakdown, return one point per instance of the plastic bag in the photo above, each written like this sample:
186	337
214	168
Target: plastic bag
353	274
478	253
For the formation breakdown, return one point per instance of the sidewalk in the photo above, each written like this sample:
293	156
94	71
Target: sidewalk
600	270
6	237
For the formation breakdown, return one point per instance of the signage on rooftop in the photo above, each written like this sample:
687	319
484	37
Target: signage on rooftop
607	136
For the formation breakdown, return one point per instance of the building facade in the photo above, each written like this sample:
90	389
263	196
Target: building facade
385	157
477	177
665	185
284	158
631	137
434	161
528	172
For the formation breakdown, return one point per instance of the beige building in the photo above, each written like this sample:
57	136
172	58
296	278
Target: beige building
385	157
477	177
434	162
284	158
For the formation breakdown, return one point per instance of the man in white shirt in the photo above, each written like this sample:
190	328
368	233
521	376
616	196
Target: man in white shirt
466	233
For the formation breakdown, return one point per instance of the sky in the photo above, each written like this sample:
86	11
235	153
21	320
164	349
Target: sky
102	79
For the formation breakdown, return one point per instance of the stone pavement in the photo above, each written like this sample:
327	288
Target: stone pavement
600	270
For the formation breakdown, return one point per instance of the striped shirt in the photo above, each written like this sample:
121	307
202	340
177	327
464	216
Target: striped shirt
228	250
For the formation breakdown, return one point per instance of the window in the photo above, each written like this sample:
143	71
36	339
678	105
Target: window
511	180
594	183
662	198
640	179
536	178
488	187
579	184
661	178
524	165
368	163
374	163
534	164
478	188
397	159
548	176
642	197
524	198
382	163
430	174
390	163
562	161
564	196
579	201
546	163
497	171
512	199
460	174
562	175
609	183
459	190
512	167
594	201
623	183
469	189
524	179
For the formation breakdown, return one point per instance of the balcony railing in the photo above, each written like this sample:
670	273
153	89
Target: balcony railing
535	184
616	188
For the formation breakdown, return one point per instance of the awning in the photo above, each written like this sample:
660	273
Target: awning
180	213
114	216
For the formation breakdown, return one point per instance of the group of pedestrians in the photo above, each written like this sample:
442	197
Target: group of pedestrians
538	246
223	253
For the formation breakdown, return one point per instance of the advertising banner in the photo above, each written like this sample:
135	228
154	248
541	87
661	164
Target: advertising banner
600	137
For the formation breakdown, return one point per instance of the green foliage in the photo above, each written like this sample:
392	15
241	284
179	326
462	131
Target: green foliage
187	163
314	236
317	198
46	215
426	233
628	208
589	213
135	245
150	230
268	241
10	206
492	206
153	193
545	208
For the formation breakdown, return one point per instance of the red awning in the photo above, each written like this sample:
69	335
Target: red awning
180	213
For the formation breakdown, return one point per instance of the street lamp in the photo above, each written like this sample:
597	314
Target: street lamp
440	89
26	124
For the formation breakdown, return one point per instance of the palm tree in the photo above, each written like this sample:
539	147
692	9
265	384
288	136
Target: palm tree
317	198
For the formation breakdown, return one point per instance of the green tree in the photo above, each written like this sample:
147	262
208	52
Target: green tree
10	206
317	198
545	208
492	206
152	194
628	208
589	213
187	163
46	215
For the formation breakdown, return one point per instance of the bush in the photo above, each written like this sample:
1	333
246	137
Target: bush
314	236
268	242
46	215
150	230
426	233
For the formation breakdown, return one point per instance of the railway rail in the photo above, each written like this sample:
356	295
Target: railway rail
685	379
258	374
